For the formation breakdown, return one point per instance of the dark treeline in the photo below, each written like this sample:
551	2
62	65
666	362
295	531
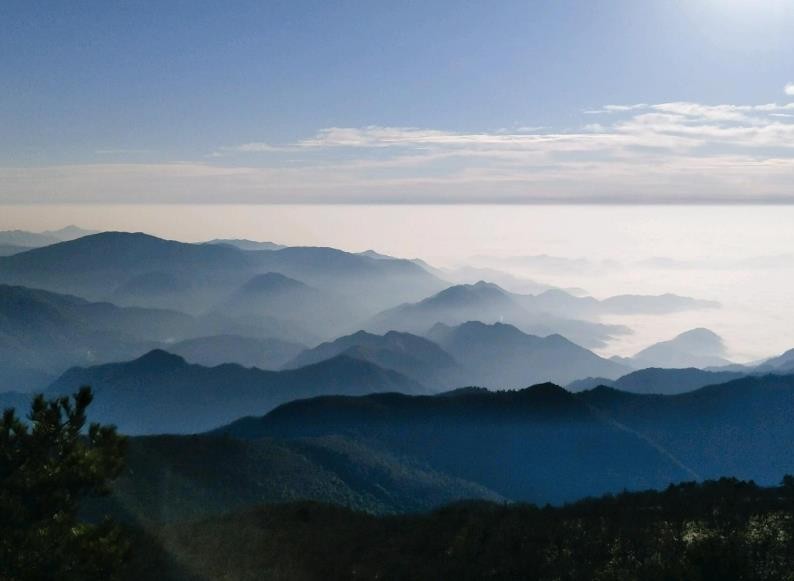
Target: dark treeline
725	529
718	530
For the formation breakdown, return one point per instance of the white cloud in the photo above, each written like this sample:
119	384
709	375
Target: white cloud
665	152
789	89
616	109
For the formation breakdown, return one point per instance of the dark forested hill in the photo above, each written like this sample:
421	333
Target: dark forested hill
538	444
535	444
178	477
742	427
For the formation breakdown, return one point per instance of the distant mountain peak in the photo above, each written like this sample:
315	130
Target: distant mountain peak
698	347
374	254
69	232
272	281
699	333
471	290
159	359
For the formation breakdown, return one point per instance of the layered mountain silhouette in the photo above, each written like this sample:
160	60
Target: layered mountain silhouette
98	265
25	239
560	302
116	264
43	333
374	283
488	303
277	296
501	356
509	282
695	348
162	393
411	355
781	364
660	381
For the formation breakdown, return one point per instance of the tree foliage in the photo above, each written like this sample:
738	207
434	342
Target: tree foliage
47	466
724	530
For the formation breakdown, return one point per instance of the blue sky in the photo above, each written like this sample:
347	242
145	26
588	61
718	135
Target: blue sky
375	101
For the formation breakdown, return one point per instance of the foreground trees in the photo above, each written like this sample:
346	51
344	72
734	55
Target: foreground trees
725	530
47	466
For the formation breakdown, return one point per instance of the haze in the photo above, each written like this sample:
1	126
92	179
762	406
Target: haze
737	255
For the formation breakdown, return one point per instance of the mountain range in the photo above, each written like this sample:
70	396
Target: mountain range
781	364
197	277
534	444
654	380
538	443
488	303
43	333
411	355
502	356
27	240
493	356
162	393
560	302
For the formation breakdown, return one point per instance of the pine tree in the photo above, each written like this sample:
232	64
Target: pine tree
47	466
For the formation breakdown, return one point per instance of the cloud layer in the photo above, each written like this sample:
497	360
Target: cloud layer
678	152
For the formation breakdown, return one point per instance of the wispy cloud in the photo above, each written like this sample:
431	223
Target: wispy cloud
123	151
673	152
616	109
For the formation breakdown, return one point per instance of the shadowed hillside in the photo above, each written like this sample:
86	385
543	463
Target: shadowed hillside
532	445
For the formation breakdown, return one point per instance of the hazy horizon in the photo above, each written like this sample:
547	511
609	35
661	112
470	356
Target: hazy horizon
736	255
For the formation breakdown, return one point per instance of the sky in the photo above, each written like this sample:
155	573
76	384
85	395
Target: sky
376	102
